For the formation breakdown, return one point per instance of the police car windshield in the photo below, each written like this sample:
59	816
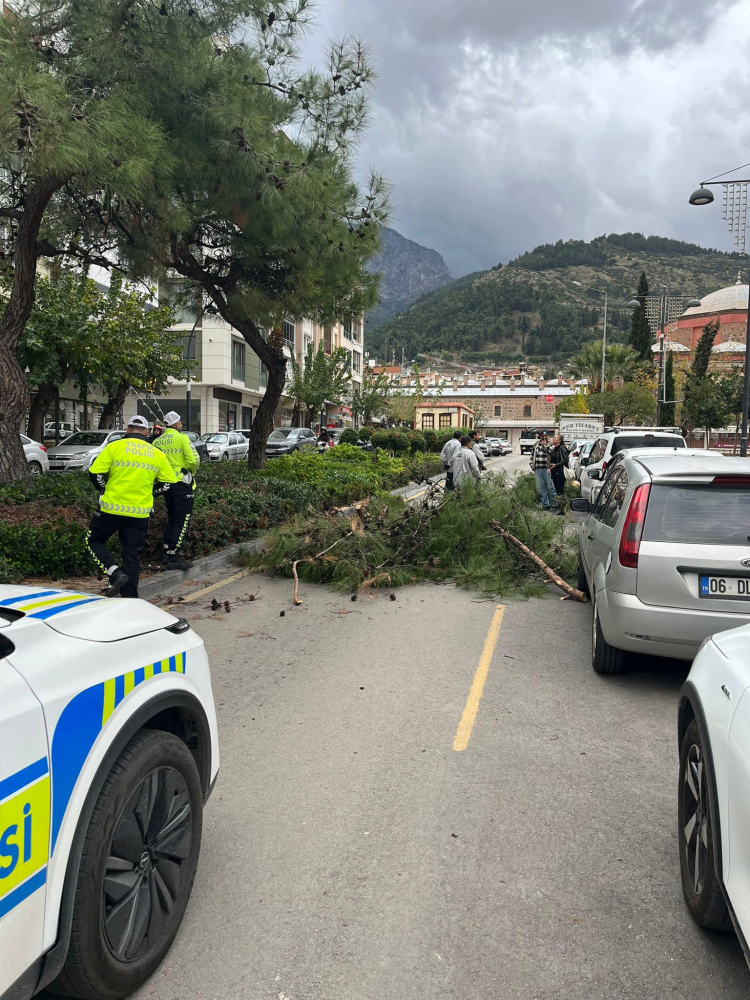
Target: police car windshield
216	438
86	437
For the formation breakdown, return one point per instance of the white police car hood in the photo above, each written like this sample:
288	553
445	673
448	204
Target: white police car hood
80	615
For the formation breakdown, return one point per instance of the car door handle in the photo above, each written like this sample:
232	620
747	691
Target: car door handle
590	537
726	691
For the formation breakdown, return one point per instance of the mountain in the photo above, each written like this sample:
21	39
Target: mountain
532	308
408	271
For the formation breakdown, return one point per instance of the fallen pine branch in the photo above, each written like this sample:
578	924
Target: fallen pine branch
311	559
557	580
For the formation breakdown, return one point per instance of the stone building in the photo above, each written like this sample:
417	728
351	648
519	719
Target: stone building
729	307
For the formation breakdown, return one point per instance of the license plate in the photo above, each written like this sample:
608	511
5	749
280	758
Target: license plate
724	586
57	465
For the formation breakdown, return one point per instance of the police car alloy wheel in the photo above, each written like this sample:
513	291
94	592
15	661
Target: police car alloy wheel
137	869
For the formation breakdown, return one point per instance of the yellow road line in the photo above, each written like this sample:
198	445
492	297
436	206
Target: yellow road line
214	586
466	725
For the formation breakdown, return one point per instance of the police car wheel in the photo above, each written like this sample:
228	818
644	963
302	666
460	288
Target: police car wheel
137	869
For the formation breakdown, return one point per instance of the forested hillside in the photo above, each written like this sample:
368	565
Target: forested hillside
532	306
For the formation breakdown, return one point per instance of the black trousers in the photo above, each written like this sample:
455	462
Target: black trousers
132	534
179	500
448	478
558	478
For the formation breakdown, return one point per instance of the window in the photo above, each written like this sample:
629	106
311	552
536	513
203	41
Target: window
327	339
597	452
348	329
428	421
445	420
238	361
604	495
287	329
356	361
701	514
307	341
616	500
527	410
622	441
465	420
188	348
498	411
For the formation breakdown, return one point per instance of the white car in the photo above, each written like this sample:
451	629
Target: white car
609	444
713	799
226	446
485	446
36	456
108	751
80	449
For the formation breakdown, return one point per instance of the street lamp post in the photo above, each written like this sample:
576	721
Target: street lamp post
603	292
735	215
188	383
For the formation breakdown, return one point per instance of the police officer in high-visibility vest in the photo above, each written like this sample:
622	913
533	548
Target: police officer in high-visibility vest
183	458
127	473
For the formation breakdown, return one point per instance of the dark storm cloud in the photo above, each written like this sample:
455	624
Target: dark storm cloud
502	125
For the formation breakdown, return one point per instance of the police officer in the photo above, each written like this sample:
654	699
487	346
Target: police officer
125	473
184	460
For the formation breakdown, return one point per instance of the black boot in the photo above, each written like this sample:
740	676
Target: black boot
175	561
116	582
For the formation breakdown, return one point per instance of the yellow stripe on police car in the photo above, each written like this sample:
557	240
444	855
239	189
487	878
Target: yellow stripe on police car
24	834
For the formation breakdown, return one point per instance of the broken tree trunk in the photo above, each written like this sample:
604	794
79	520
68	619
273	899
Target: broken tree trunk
557	580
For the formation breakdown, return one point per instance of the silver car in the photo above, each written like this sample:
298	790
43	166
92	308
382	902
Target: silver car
226	446
36	456
80	449
665	554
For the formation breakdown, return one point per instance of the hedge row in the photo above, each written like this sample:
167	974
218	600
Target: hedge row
43	521
400	441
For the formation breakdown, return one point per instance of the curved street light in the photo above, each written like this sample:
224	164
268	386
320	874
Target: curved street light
702	196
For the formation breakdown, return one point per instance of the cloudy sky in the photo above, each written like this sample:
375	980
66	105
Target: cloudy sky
507	123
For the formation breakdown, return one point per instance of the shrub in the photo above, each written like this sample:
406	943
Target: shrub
366	432
430	441
381	439
417	442
349	436
398	441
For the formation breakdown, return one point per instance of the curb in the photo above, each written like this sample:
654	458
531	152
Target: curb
163	583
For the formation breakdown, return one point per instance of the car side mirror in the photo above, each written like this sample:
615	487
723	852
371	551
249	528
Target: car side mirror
584	461
580	506
595	474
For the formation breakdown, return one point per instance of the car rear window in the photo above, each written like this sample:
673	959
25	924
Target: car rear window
623	441
702	515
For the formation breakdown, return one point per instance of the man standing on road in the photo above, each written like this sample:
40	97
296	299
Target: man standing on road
558	458
474	435
183	459
124	472
465	463
451	447
544	485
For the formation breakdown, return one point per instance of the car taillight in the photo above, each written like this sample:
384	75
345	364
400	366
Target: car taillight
730	481
630	540
42	448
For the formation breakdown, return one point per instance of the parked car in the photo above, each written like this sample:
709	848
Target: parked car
618	440
200	446
500	446
713	797
109	752
664	554
287	440
80	449
486	447
36	456
66	429
582	459
226	446
575	450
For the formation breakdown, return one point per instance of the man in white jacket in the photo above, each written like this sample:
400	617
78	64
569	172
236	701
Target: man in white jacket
465	464
450	449
474	435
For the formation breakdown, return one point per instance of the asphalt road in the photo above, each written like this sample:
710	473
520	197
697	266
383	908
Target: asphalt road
351	853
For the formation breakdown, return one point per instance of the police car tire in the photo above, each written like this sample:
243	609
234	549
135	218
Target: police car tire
91	971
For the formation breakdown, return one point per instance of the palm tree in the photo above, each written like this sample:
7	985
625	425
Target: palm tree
619	362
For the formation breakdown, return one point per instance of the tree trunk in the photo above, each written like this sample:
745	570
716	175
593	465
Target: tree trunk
263	423
112	407
45	397
13	388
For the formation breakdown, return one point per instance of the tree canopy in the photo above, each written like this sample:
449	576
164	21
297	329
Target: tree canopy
317	378
640	332
619	362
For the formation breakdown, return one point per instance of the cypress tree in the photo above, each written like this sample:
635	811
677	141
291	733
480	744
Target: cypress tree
701	360
640	332
668	408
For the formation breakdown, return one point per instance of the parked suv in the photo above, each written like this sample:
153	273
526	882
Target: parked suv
664	554
285	440
618	440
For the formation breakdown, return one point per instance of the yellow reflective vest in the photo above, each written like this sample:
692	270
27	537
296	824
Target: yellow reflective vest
179	451
130	465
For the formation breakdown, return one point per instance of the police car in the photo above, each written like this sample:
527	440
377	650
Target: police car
108	751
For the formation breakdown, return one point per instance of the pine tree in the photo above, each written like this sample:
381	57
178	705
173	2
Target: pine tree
668	408
640	332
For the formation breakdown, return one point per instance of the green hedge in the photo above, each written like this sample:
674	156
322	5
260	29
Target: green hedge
43	521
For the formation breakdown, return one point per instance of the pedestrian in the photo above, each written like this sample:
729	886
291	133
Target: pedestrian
474	435
124	473
540	464
184	460
558	458
465	463
155	433
448	453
